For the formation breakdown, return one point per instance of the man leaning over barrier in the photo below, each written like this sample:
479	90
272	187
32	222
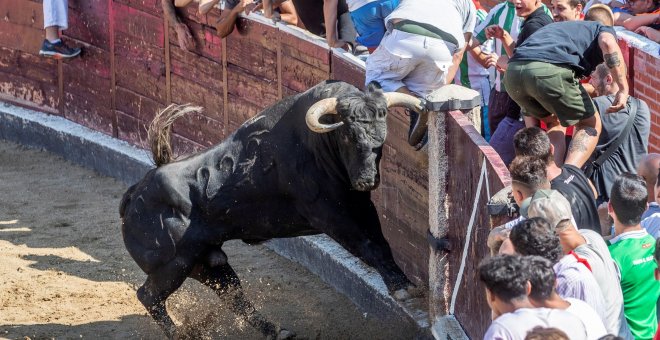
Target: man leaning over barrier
544	72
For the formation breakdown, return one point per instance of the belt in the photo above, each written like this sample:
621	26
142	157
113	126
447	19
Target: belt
423	29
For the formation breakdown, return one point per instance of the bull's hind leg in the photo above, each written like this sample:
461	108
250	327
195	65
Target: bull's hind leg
226	284
159	286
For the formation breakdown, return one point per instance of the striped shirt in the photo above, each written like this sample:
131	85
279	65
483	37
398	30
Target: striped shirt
574	280
469	69
503	15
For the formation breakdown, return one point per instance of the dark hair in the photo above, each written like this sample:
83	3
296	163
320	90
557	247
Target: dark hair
530	171
535	236
657	180
628	198
542	333
534	142
610	337
574	3
657	251
504	277
541	275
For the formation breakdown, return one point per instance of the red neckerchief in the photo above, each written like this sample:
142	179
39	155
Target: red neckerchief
581	260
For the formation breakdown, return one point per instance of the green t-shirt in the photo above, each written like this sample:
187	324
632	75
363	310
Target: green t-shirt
633	253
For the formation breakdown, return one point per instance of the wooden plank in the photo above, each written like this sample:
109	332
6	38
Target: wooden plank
24	89
90	25
207	42
200	129
346	71
239	110
305	51
28	13
257	91
148	6
131	129
196	68
253	58
182	147
144	28
300	76
17	37
140	68
186	91
135	105
248	31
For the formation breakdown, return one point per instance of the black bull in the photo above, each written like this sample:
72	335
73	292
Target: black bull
273	177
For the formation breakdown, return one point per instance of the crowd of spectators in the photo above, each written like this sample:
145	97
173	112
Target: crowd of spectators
580	262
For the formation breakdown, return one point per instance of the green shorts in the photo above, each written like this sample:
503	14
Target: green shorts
543	89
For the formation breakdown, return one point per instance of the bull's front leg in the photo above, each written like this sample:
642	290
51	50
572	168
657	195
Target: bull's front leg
355	225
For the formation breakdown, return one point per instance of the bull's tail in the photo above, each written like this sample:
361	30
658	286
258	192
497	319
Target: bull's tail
160	130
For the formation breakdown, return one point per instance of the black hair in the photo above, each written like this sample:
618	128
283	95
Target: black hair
543	333
535	236
541	275
504	277
533	142
610	337
628	198
530	171
656	254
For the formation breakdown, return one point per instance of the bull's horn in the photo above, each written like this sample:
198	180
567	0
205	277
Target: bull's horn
396	99
320	108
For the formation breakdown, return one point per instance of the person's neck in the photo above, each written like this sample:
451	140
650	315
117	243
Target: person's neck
553	170
571	239
554	301
620	228
516	304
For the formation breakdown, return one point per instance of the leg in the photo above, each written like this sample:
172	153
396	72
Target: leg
159	286
226	284
557	136
584	140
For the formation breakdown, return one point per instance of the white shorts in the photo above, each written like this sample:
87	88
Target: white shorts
56	13
417	62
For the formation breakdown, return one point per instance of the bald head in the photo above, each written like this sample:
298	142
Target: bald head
648	168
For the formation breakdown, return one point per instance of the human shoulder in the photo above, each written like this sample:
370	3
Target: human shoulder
652	225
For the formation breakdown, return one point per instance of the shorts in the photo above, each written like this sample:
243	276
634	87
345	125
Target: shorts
404	59
369	21
543	89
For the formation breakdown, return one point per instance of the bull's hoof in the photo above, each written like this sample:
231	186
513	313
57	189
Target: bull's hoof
282	334
285	334
401	295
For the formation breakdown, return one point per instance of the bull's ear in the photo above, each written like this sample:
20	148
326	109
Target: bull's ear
374	86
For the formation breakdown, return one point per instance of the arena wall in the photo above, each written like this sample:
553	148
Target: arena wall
132	66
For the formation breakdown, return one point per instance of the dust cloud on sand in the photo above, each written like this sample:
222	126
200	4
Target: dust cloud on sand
64	271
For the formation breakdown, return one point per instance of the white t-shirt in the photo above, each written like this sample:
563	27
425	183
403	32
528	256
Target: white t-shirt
355	4
606	274
590	319
451	16
516	325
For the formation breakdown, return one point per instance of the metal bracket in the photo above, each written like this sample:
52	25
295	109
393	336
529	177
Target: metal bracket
438	244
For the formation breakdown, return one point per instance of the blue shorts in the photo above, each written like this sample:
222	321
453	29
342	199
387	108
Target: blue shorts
369	21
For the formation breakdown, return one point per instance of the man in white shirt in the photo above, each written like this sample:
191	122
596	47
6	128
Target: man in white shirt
543	294
507	289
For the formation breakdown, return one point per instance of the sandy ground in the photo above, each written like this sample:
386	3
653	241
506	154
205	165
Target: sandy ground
64	271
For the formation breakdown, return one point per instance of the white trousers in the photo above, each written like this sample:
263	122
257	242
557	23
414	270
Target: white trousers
56	13
403	59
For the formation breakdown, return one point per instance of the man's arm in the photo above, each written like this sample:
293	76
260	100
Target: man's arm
486	60
183	35
614	61
228	17
456	60
636	21
330	19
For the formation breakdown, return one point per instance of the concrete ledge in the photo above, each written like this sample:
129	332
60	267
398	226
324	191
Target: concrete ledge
120	160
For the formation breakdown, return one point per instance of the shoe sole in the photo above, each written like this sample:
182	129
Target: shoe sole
419	129
57	55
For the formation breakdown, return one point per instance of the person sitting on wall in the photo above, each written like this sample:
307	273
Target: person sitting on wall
56	20
422	49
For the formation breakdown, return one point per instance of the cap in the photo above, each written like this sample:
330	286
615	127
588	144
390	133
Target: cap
551	205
